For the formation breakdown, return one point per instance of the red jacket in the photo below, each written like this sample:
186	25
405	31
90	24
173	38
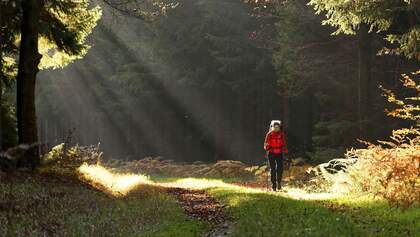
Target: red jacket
275	142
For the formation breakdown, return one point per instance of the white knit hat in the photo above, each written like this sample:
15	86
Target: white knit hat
271	128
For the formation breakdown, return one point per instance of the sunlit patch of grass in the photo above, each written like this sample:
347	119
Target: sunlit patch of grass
194	183
301	194
54	205
116	184
297	212
268	214
293	193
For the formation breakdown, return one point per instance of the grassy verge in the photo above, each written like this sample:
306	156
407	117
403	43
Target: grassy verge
264	214
41	205
259	213
55	205
377	217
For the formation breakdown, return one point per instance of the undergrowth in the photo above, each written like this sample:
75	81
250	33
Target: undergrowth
59	201
390	169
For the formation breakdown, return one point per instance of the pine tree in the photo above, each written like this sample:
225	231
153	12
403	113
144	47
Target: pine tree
397	20
54	29
28	68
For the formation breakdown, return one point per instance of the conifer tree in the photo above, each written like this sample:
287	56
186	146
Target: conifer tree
52	34
398	21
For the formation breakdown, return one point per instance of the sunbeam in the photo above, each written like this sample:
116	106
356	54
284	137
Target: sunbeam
113	183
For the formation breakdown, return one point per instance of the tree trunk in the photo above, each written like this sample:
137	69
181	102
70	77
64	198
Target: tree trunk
1	79
29	59
286	111
307	106
365	64
218	131
1	101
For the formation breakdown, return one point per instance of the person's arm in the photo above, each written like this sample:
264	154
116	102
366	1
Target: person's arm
266	144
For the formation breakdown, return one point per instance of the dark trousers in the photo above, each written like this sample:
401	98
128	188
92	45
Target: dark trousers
276	168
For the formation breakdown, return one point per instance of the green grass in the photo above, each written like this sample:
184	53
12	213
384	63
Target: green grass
265	214
50	206
259	213
168	179
378	216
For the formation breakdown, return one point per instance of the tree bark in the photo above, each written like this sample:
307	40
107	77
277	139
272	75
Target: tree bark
1	78
286	111
218	129
29	59
1	100
308	100
365	64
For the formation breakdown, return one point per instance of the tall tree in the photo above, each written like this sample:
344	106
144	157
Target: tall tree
309	64
60	30
29	59
365	65
1	78
8	25
187	56
398	20
1	104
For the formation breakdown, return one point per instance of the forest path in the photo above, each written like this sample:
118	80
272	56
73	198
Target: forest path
195	196
198	204
204	200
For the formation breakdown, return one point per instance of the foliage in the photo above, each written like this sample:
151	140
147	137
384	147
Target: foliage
55	153
391	168
324	154
399	20
64	26
68	159
156	166
298	33
8	120
148	10
391	173
63	29
228	170
158	76
333	133
407	108
315	75
330	139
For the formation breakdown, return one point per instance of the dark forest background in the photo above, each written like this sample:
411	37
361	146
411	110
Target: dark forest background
204	81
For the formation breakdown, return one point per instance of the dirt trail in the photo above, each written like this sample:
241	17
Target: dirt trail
198	204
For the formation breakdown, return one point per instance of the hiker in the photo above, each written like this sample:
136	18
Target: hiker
275	145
